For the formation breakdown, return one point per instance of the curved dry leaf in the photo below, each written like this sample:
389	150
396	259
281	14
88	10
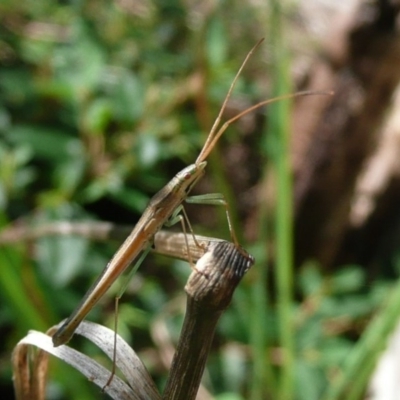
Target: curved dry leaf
29	382
126	359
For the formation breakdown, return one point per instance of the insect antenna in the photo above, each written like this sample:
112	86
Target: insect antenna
213	140
210	138
216	133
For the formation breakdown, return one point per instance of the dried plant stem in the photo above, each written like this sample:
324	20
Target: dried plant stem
209	291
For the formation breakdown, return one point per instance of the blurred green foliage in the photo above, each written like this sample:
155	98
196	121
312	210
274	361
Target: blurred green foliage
100	104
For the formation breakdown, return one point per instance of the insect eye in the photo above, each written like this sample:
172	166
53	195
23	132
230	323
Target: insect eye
187	176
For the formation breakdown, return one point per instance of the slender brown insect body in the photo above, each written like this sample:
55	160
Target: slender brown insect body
161	208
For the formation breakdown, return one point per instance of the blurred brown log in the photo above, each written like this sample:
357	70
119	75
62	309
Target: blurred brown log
362	66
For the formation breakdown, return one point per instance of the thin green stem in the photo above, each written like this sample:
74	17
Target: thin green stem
279	117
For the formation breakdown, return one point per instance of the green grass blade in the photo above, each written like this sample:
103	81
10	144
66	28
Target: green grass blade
279	127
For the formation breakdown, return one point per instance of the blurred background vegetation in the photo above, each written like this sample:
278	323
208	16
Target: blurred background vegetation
102	102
